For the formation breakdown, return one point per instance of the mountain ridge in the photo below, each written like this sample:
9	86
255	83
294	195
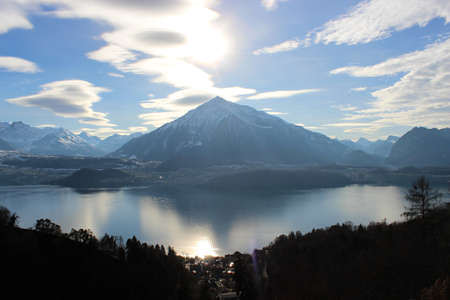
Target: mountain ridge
57	141
422	147
222	132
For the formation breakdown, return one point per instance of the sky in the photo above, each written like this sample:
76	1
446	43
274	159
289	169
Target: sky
347	68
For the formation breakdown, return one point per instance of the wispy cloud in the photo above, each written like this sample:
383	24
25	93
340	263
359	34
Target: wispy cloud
377	19
359	89
68	99
282	47
277	113
169	41
117	75
346	107
47	126
282	94
16	64
271	4
104	132
420	97
347	124
157	119
368	21
171	71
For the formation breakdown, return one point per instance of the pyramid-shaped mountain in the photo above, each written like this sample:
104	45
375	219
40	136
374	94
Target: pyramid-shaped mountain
221	132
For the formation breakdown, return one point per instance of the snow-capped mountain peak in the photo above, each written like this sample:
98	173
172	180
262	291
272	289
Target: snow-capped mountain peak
220	131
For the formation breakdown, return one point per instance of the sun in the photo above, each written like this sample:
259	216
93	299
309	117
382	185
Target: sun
207	42
204	248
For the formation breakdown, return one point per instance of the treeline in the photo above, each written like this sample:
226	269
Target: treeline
68	162
51	264
408	260
269	179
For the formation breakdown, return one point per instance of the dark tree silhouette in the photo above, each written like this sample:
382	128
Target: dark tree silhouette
422	198
6	218
47	226
245	278
85	236
440	290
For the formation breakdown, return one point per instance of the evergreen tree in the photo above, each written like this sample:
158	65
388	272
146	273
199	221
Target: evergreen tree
422	198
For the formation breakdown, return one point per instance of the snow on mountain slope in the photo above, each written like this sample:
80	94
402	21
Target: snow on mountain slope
21	136
63	142
222	132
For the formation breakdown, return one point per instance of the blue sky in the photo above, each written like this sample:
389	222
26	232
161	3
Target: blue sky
344	68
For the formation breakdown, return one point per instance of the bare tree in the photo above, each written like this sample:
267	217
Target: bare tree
422	198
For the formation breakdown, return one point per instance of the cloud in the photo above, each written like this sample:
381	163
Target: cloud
420	97
282	47
346	107
155	38
277	113
112	54
359	89
13	15
47	126
347	124
68	99
271	4
104	132
171	71
368	21
16	64
313	127
169	41
378	19
282	94
116	75
157	119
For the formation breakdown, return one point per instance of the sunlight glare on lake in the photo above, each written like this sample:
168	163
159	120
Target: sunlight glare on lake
204	248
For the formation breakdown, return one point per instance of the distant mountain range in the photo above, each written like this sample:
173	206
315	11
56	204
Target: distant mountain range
63	142
57	141
115	141
222	132
381	148
219	132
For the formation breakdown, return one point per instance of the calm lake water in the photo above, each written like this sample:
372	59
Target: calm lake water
200	222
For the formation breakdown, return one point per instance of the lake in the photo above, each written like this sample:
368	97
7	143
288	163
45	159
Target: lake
202	223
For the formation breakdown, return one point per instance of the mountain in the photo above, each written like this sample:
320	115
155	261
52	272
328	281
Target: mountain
222	132
114	142
359	158
63	142
383	147
422	147
90	139
5	146
59	141
378	148
21	136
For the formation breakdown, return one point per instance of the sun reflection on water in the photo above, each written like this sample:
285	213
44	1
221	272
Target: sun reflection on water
204	248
